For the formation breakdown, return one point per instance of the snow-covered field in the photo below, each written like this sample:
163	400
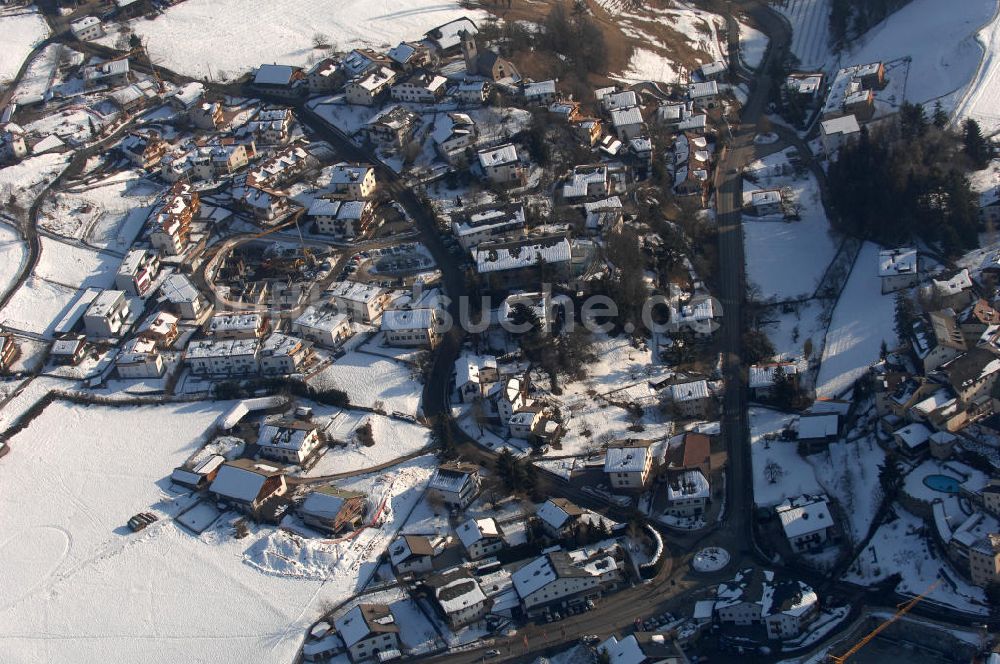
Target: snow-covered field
243	37
941	39
791	332
848	471
899	547
794	475
368	380
646	65
810	31
37	306
981	100
12	254
753	45
393	439
786	260
79	587
862	319
20	31
97	214
74	266
25	179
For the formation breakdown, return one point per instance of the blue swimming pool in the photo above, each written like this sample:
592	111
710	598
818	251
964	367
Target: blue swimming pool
942	483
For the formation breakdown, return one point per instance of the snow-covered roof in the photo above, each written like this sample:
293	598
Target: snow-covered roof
206	348
326	502
279	434
397	320
242	482
845	124
349	173
475	530
623	651
274	74
235	322
625	459
818	426
892	262
805	517
459	593
177	288
533	576
707	89
623	117
318	319
354	291
913	435
953	285
468	367
363	620
762	375
690	391
540	88
498	156
523	253
688	485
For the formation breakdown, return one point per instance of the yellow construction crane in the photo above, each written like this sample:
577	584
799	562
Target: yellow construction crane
901	611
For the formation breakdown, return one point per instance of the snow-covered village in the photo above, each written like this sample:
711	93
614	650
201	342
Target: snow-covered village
465	331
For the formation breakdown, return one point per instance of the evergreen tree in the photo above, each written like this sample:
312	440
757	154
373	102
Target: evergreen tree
904	317
940	117
976	146
890	476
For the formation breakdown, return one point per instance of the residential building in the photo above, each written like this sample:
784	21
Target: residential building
500	165
333	511
139	358
352	182
643	648
713	71
283	354
271	126
984	560
560	579
325	76
783	607
458	597
342	219
540	93
806	522
110	74
231	325
364	303
704	95
371	87
453	134
838	132
972	375
201	475
143	150
419	328
414	554
87	28
817	431
248	486
587	181
411	55
559	517
762	377
628	468
898	269
107	316
392	127
229	357
481	537
421	87
764	202
473	93
280	81
474	374
368	630
455	484
186	300
322	327
688	494
628	123
68	349
474	226
912	440
207	115
691	399
170	221
523	262
137	272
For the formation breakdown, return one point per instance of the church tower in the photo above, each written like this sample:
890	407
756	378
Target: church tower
470	51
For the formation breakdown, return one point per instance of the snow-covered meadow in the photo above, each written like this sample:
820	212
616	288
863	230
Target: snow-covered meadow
243	37
862	320
21	29
79	587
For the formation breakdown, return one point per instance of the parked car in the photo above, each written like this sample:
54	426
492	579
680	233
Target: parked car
141	521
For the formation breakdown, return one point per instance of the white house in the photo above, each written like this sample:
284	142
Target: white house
559	579
628	468
459	597
500	165
137	272
784	606
352	181
139	358
691	399
248	485
414	554
472	227
188	301
322	327
481	537
473	92
453	133
368	630
837	132
364	303
237	357
806	522
368	88
455	484
284	354
540	93
107	316
688	494
421	87
87	28
704	95
628	122
291	441
416	328
898	269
